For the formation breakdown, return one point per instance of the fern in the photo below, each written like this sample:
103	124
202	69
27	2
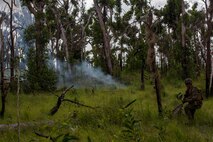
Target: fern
131	129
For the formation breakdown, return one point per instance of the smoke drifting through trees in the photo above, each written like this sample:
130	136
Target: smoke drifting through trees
83	75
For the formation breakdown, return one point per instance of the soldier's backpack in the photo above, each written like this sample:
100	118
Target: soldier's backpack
199	98
200	94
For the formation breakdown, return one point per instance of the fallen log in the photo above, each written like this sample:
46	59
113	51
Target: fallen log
4	127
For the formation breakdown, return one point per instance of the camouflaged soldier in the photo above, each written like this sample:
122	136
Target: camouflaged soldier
193	97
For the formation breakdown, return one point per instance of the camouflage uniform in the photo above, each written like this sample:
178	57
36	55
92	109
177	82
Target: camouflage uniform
193	98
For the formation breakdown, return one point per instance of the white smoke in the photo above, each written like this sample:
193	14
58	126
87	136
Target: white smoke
83	75
94	76
63	72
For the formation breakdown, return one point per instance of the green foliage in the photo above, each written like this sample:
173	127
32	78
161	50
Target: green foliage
136	58
29	33
109	122
172	12
131	127
161	127
43	79
69	138
112	120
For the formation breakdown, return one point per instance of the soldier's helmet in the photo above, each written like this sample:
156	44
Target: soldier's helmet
188	81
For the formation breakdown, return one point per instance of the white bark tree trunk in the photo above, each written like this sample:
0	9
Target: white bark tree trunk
107	46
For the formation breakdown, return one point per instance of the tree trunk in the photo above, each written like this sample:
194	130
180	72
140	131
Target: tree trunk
3	99
37	10
12	45
208	48
63	36
208	68
3	92
183	44
197	58
151	39
211	86
142	75
121	56
12	48
107	47
18	103
211	78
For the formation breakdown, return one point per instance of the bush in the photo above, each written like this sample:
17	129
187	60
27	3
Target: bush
42	78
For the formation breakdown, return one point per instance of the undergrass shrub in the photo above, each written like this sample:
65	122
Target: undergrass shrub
42	78
88	118
161	127
147	114
99	118
131	127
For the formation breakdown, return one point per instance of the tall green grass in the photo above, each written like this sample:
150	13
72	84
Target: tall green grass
109	121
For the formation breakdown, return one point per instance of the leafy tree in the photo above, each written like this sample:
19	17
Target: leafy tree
40	80
101	11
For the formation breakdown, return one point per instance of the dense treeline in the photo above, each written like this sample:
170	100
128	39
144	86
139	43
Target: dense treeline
174	41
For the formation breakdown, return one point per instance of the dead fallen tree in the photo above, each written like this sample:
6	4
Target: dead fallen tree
4	127
62	99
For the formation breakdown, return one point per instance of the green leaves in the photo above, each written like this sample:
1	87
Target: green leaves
44	79
131	127
69	138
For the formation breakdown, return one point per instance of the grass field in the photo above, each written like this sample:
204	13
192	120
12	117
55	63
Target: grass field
110	121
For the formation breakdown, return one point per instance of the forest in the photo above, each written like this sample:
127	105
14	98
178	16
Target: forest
112	71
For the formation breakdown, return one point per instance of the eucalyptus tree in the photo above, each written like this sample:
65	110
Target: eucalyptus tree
12	25
183	24
151	39
117	27
38	32
134	38
96	42
101	8
183	41
39	75
207	42
196	22
59	25
145	43
2	56
171	14
12	41
67	22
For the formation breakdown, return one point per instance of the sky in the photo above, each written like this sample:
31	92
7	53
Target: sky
3	5
156	3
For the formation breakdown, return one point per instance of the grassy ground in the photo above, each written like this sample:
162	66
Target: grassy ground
110	122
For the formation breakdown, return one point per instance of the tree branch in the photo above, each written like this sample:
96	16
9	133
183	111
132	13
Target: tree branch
45	136
77	103
31	9
7	4
60	99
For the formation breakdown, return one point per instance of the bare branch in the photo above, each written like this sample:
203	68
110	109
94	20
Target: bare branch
45	136
77	103
59	101
31	9
18	28
8	4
